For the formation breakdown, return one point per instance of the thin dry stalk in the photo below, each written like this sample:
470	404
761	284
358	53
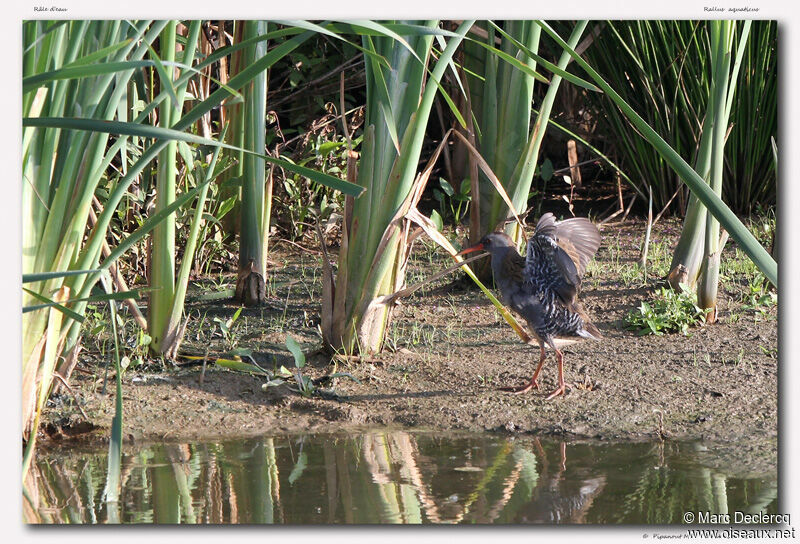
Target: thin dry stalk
484	166
69	363
574	169
629	208
678	190
116	276
474	182
333	315
402	293
613	215
646	245
328	288
620	201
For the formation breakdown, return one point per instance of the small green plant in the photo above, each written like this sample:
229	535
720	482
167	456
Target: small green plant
759	296
305	200
226	328
671	311
769	352
452	204
659	258
97	324
306	385
139	351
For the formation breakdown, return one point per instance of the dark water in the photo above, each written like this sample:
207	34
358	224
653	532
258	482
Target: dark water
398	477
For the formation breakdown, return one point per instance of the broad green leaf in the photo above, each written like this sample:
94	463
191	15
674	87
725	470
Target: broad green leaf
547	170
445	185
294	347
437	220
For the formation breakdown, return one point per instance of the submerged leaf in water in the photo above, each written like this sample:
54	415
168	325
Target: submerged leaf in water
299	467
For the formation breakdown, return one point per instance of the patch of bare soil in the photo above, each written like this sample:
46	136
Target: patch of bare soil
447	353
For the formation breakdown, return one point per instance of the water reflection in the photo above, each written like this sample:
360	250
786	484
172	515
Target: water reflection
393	477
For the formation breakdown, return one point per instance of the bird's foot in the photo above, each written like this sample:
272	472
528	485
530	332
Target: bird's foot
562	389
518	390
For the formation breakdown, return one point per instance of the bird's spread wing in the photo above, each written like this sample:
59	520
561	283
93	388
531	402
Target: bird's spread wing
580	239
567	247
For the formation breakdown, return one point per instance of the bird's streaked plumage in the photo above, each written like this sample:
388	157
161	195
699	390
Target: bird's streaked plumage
543	286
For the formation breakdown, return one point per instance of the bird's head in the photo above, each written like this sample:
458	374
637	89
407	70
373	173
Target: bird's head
493	242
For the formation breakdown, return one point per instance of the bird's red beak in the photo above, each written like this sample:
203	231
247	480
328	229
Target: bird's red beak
471	249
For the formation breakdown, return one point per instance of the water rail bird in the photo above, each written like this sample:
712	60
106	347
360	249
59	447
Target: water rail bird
543	286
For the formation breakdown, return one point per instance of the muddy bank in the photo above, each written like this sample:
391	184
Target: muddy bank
448	351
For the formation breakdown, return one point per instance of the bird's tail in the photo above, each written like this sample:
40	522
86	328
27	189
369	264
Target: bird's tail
588	330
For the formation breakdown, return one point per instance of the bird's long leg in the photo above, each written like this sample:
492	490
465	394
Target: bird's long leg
535	380
534	383
562	387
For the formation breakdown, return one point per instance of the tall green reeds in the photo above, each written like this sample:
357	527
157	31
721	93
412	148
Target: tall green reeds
503	102
250	285
77	76
663	70
692	178
62	168
704	235
163	322
374	240
750	174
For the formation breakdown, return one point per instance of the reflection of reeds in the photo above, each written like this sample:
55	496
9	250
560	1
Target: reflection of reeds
345	484
60	492
386	477
179	457
232	502
663	494
407	452
391	459
762	498
488	475
30	496
401	482
508	489
377	456
188	484
329	456
211	485
273	475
